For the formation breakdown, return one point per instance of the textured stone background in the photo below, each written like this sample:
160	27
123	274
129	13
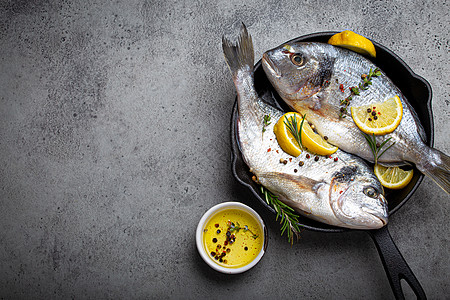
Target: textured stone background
114	140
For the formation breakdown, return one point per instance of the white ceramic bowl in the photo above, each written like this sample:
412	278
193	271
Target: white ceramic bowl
204	252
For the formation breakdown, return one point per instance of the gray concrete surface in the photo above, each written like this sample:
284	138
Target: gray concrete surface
114	140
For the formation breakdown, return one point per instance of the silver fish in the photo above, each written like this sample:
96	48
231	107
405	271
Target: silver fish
308	76
342	193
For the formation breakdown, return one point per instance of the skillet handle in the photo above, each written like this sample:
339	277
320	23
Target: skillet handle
394	264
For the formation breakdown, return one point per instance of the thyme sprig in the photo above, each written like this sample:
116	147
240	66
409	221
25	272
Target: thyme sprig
266	122
289	219
292	125
376	147
355	90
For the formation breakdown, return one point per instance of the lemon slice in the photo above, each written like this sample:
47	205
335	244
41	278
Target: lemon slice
285	138
393	177
315	143
353	41
310	140
378	118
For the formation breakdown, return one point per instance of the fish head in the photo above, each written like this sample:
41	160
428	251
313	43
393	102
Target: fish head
357	199
299	70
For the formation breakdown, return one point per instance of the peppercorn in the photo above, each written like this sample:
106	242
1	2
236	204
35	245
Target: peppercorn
370	119
378	145
307	156
284	161
295	170
218	231
374	113
301	163
245	248
325	137
369	110
213	253
316	158
217	225
214	240
375	117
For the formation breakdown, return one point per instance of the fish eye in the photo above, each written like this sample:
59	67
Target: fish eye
297	59
370	191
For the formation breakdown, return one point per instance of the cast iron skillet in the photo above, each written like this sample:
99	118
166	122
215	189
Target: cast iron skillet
418	92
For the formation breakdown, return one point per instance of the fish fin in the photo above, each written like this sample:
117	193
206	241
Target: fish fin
437	167
239	55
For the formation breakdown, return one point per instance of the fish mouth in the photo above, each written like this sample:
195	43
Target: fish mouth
269	65
376	216
381	216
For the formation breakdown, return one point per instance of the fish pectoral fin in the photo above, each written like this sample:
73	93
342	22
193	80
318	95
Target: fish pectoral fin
296	181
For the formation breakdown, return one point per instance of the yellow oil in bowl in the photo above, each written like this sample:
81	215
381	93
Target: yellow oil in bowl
232	237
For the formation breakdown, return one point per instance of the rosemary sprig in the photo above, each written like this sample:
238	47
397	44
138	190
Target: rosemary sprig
355	90
266	122
289	219
376	147
292	125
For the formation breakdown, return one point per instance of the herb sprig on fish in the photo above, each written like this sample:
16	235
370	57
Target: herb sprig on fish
292	125
364	85
266	122
376	147
289	219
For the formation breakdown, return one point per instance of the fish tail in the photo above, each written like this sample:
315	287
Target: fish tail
437	167
240	55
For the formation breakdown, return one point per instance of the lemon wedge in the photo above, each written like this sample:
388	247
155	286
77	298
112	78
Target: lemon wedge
315	143
393	177
353	41
378	118
309	139
285	138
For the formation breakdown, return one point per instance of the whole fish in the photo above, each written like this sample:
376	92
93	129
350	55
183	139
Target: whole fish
310	78
342	192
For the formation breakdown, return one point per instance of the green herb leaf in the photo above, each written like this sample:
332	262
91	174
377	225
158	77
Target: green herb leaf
289	220
292	125
266	122
371	140
364	85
